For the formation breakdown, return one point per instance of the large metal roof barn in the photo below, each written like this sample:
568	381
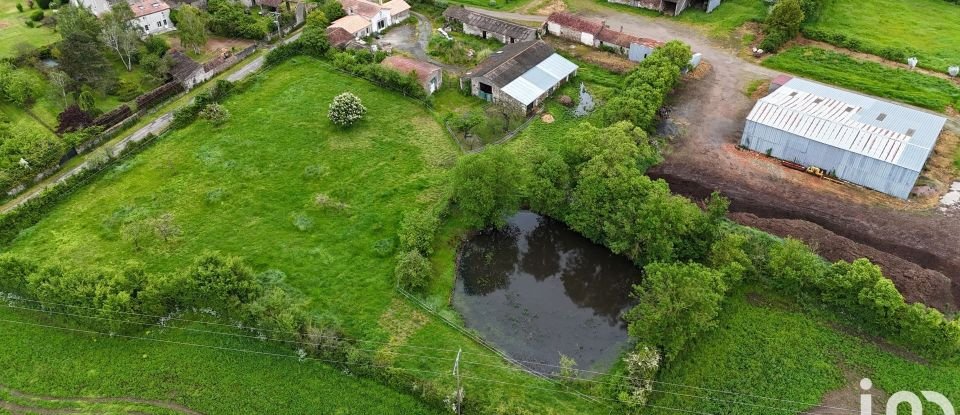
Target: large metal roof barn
860	139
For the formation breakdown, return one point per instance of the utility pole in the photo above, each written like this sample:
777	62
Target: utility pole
276	19
456	373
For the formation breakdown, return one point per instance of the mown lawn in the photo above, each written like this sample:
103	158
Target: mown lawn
281	187
868	77
13	30
764	349
927	26
68	364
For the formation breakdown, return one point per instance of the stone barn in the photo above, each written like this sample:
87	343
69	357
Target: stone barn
636	48
489	27
520	74
574	28
429	75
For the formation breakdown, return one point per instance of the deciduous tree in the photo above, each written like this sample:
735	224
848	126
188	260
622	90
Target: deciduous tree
676	302
192	27
486	186
120	34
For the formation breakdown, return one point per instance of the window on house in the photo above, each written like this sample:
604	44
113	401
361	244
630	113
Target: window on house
881	117
818	100
848	109
911	131
146	28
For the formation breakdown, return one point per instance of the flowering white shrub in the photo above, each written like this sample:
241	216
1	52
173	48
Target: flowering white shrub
642	366
346	109
215	113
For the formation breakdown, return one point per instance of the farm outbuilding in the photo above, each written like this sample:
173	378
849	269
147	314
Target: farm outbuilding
575	28
521	75
860	139
429	75
489	27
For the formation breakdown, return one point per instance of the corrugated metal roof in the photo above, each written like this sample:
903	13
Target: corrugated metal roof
538	80
857	123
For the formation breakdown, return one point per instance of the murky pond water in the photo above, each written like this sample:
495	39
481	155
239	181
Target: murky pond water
537	289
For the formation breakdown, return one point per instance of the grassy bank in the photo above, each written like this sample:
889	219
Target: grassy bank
69	364
868	77
764	348
928	27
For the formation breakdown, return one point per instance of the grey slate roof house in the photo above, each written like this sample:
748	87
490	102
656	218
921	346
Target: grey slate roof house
863	140
520	74
489	27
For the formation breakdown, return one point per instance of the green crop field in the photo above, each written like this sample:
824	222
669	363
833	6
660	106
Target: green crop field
13	30
868	77
281	187
927	26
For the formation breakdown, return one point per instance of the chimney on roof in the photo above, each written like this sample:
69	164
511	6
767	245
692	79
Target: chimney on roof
621	28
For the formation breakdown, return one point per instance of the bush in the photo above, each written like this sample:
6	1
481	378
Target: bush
72	119
20	7
44	4
36	15
642	366
18	86
215	113
231	19
417	230
413	270
346	109
487	185
675	303
126	90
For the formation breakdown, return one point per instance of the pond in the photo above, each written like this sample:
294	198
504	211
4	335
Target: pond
537	289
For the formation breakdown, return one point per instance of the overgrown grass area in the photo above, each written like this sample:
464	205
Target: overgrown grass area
929	27
281	187
14	31
868	77
59	363
762	348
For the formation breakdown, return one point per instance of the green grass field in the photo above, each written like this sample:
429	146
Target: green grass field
250	188
64	364
927	26
14	32
869	77
764	348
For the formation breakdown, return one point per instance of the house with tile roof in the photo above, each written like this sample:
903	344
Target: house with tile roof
152	16
365	17
429	75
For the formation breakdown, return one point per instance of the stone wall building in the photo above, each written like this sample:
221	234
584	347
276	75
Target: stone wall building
489	27
521	74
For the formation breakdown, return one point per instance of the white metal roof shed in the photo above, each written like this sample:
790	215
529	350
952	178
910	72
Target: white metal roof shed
857	123
538	80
